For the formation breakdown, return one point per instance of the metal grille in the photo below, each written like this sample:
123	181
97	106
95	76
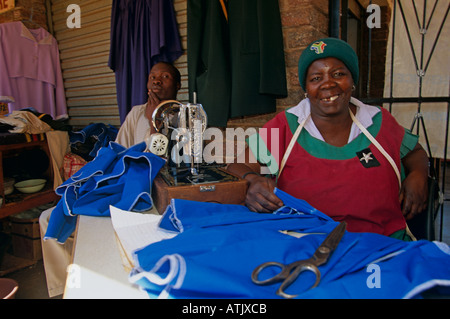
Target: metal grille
418	38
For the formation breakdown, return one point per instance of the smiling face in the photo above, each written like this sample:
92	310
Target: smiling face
329	87
163	81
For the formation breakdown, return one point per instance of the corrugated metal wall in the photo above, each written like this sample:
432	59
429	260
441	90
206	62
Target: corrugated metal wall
180	7
89	82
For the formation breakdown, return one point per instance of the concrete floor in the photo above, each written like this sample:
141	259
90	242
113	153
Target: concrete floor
32	283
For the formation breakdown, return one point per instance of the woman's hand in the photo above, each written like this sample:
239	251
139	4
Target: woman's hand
414	191
414	194
260	197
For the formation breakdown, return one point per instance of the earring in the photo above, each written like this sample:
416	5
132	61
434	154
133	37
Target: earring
353	87
306	95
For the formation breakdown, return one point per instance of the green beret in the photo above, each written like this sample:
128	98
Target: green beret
324	48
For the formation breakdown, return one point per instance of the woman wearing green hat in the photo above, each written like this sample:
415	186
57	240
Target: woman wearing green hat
350	160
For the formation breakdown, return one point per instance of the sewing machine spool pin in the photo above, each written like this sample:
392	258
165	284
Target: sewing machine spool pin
191	123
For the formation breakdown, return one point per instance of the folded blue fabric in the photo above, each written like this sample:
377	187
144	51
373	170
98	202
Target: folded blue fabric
117	176
101	133
218	247
181	215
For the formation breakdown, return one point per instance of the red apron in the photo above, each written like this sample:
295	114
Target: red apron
346	189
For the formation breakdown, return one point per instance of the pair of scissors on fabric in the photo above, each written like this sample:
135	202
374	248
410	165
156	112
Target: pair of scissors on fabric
289	273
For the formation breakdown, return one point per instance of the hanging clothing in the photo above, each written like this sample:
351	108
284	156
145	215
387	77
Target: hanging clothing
30	70
235	57
143	32
218	246
258	72
209	73
361	186
116	176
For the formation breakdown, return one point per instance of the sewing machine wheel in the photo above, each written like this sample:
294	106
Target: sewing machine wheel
162	111
157	144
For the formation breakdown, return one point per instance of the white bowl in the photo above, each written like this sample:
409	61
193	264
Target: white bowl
30	186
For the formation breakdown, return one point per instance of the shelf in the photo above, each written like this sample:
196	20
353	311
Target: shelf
27	201
18	202
10	147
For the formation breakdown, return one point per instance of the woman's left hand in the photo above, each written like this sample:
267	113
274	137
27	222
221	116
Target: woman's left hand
414	194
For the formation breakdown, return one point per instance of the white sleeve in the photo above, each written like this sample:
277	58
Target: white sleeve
125	136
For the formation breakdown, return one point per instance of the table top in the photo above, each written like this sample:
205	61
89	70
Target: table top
97	271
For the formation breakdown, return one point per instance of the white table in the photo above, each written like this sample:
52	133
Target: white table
97	271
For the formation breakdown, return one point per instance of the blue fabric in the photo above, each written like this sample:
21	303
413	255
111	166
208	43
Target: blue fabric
117	176
102	134
218	246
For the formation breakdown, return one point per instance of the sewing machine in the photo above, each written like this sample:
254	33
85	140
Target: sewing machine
179	138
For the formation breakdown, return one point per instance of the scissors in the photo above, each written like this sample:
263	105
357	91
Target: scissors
290	272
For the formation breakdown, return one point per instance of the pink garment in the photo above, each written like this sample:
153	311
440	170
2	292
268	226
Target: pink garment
30	70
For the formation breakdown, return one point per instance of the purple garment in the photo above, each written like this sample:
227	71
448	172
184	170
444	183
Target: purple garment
30	70
143	32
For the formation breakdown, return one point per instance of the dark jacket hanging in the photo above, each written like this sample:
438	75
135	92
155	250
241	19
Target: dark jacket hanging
242	58
208	59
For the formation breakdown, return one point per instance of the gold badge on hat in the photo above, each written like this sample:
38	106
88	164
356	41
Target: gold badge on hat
319	47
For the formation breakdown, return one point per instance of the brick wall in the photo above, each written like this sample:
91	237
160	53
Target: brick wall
33	13
375	88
